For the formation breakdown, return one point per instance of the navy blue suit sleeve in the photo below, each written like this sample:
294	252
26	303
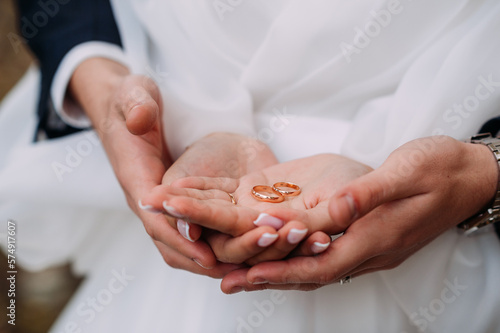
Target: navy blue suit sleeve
51	29
493	127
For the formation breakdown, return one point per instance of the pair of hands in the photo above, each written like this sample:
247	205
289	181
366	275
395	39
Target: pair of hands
387	214
424	188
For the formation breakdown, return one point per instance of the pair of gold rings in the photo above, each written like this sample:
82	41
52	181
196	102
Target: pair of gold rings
275	193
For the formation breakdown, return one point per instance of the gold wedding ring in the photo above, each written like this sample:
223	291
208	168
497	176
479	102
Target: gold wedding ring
233	200
258	190
278	187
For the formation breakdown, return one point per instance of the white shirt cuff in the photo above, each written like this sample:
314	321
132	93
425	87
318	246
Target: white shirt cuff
69	110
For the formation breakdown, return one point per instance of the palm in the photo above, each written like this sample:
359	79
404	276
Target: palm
318	176
217	155
205	201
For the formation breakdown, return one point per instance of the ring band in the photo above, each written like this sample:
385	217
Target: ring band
295	187
256	192
346	280
233	200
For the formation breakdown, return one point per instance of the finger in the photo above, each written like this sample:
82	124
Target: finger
216	214
175	260
365	193
314	219
289	236
342	256
156	197
387	261
191	232
158	228
236	281
156	202
238	249
266	286
315	244
141	104
225	184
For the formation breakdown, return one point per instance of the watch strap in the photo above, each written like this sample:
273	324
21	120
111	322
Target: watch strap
492	214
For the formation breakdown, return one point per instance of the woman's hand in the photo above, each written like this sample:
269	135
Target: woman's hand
205	202
424	188
217	155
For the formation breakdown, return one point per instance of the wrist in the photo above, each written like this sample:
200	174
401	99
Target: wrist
484	153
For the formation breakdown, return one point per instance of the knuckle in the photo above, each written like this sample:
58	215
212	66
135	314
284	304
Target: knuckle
224	258
225	254
151	231
394	263
171	261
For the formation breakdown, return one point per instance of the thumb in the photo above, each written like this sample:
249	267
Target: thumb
142	104
366	193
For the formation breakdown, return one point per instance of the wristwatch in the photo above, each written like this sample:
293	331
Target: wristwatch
492	214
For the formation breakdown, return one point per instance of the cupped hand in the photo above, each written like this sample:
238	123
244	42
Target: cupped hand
424	188
217	156
126	112
205	201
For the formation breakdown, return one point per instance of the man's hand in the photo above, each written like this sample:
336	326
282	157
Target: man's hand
424	188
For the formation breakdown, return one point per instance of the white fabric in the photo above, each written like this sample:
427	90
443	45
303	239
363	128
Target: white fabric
65	107
275	70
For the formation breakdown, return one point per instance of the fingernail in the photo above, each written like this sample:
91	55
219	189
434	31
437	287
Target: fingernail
199	263
318	247
236	290
183	228
171	210
147	208
296	235
267	239
351	205
268	220
260	281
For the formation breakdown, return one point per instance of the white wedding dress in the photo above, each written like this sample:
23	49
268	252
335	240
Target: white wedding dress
353	77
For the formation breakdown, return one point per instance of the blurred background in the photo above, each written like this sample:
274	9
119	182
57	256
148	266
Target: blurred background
40	296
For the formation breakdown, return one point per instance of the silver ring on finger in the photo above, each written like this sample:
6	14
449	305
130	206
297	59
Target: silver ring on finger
345	280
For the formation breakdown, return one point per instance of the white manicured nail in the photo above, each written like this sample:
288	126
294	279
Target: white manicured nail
267	239
147	208
199	263
318	247
268	220
183	228
171	210
296	235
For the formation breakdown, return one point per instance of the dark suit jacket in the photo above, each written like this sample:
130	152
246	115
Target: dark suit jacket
51	28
